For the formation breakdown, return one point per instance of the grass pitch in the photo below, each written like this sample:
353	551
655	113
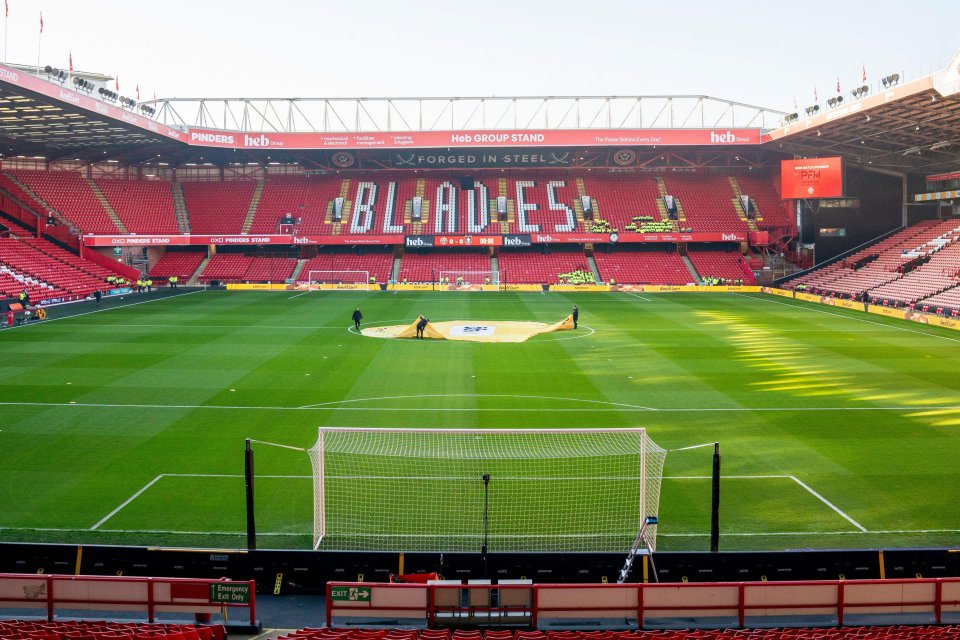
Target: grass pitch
127	425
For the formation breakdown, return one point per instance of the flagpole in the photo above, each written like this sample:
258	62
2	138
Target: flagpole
39	40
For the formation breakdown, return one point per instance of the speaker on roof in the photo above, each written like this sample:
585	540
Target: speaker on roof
502	208
587	203
466	183
416	210
337	209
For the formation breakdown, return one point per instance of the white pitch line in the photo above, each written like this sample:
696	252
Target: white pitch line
480	395
126	502
630	293
298	295
781	477
329	407
854	318
829	504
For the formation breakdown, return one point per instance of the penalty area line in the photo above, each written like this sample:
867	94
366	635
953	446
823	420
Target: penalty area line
829	504
126	502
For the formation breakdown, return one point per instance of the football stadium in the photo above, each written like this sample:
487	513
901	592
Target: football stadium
505	367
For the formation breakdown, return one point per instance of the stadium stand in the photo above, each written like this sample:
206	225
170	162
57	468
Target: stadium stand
225	267
642	266
234	267
70	194
270	270
945	304
143	206
425	267
182	264
872	266
533	267
104	630
773	212
939	274
218	207
707	203
305	197
51	268
379	264
620	199
727	265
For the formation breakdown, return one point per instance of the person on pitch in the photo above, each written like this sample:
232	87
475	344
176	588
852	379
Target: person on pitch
576	315
357	317
421	325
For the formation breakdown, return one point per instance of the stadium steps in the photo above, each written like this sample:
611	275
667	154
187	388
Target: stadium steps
297	270
503	191
107	206
738	205
691	269
593	269
662	205
252	207
578	203
180	207
395	271
192	280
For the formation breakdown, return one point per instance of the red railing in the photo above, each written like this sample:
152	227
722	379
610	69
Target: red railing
772	601
109	593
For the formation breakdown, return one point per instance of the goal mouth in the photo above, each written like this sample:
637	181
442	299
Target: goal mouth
471	330
470	490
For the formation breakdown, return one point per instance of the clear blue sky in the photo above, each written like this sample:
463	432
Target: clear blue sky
760	53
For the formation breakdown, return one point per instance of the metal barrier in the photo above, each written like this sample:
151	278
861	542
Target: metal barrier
480	603
109	593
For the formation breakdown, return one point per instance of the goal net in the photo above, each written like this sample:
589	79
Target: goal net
338	280
424	489
487	280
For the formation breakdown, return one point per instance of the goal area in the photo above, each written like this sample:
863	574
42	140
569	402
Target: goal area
452	280
510	490
338	280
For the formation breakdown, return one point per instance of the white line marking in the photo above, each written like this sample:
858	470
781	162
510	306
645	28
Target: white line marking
126	502
298	295
841	315
829	504
630	293
480	395
781	477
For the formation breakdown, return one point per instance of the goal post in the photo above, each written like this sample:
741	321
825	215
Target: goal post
338	280
586	490
453	280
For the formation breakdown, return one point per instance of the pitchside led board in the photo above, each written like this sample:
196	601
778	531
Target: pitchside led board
811	178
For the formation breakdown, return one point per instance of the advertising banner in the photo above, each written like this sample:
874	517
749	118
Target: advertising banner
473	140
416	241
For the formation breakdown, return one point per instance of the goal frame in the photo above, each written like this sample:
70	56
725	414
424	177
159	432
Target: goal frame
495	280
630	451
313	285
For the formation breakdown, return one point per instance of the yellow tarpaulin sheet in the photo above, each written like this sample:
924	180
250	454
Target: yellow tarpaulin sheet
472	330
